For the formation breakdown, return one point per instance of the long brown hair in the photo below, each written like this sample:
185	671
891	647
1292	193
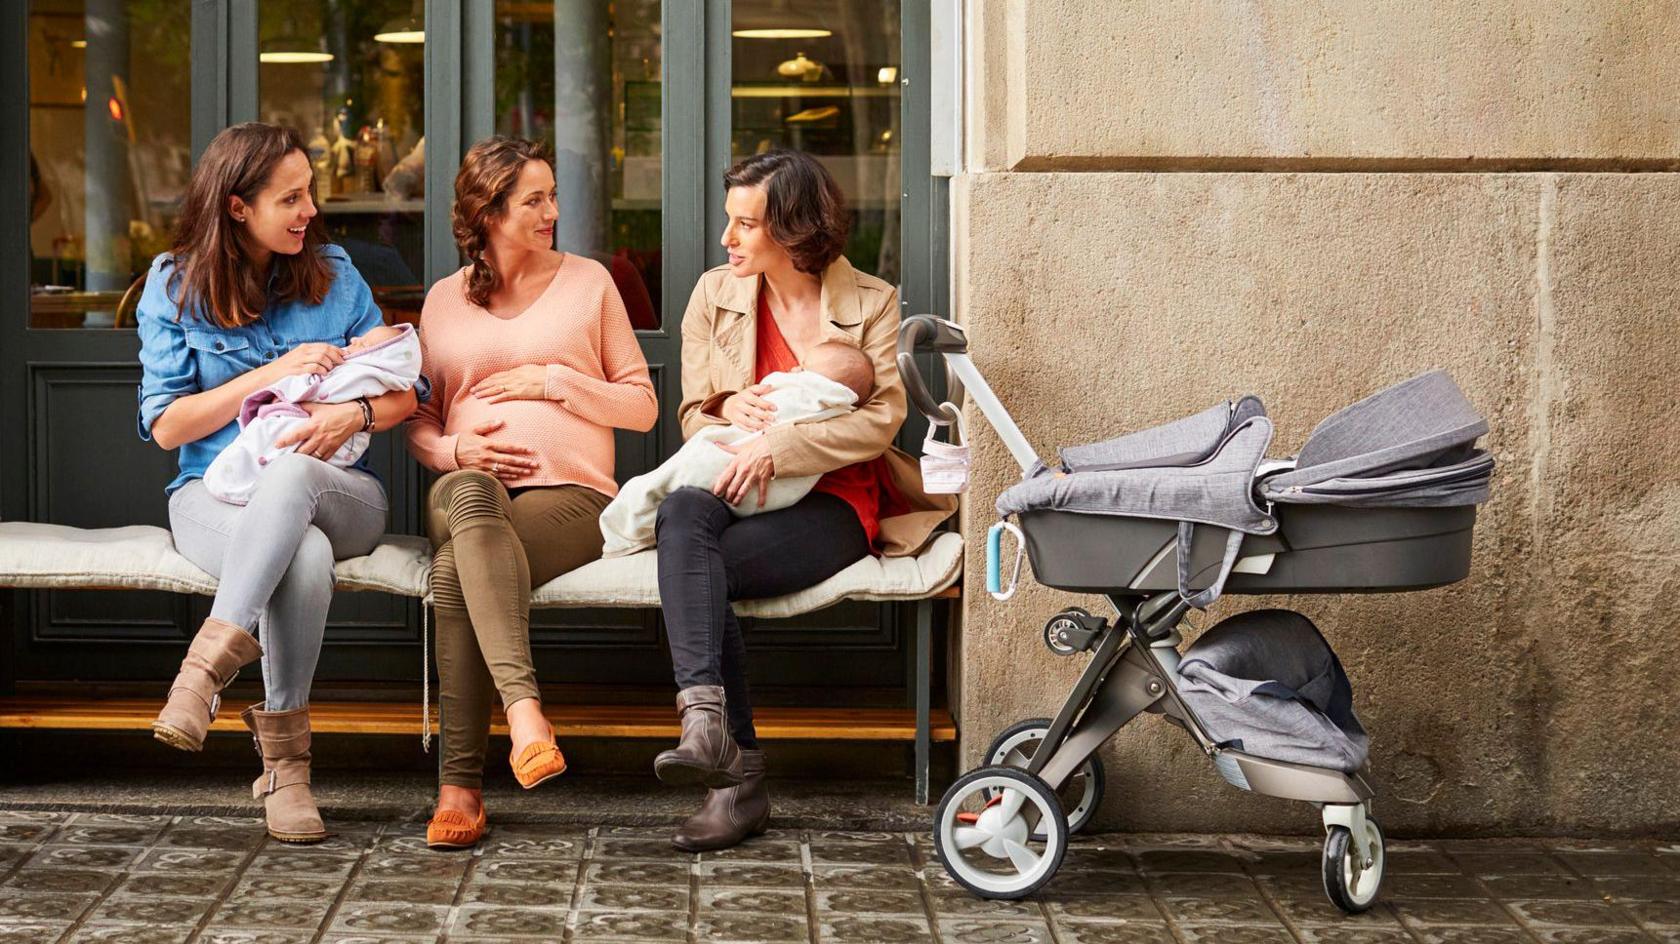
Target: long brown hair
804	208
213	271
487	177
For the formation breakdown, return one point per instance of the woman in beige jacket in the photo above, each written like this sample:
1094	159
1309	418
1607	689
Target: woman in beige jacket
785	290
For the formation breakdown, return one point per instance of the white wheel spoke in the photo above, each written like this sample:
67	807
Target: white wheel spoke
1025	859
967	837
1015	758
1013	797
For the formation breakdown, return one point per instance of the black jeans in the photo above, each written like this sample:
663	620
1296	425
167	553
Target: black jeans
708	557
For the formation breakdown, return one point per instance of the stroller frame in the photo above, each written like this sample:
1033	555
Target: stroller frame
1130	673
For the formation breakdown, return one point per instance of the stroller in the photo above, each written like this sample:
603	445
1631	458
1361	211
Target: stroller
1382	498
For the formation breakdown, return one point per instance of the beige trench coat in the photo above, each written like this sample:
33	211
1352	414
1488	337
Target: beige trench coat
720	340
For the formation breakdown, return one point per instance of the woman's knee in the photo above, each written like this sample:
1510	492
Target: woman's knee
311	569
446	579
468	494
687	508
291	475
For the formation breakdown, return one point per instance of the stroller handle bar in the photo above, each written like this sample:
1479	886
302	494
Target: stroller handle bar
920	333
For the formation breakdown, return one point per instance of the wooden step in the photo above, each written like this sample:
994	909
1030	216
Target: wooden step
616	721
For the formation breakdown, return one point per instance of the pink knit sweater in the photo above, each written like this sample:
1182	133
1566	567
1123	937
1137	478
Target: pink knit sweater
597	377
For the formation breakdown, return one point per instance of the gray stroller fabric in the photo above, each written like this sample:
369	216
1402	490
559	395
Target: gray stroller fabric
1197	475
1267	684
1411	445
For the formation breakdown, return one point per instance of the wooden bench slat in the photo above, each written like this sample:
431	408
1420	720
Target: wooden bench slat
621	721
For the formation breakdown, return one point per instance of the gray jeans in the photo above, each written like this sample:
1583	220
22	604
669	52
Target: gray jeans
274	558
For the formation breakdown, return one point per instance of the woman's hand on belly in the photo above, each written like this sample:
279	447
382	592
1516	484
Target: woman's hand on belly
329	426
752	468
506	461
525	382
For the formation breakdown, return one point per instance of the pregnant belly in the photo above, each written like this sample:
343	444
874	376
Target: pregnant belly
562	440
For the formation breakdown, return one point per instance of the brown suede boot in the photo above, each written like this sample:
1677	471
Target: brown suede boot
706	754
217	653
283	741
729	815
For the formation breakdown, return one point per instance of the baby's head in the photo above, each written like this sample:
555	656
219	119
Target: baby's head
843	364
378	335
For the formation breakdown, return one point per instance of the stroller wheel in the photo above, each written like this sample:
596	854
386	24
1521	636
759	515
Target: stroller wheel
1080	795
1353	871
1000	832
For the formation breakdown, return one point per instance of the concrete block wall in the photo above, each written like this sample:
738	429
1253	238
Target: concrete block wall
1167	203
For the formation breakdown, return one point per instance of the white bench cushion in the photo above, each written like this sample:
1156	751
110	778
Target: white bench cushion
143	557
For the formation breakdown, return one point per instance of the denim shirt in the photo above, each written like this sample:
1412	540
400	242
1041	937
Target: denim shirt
183	353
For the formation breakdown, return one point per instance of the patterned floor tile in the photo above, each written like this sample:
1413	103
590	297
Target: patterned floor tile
1561	887
503	844
630	926
520	894
752	901
1593	914
1129	908
141	884
1641	887
975	931
752	929
1339	934
845	902
402	889
289	864
31	932
215	935
1234	934
1404	885
191	861
1424	911
1605	862
856	877
273	914
1419	861
861	853
379	917
159	820
38	907
129	934
637	873
965	905
653	850
430	866
767	850
1086	932
213	836
256	887
1219	910
1451	934
110	834
1316	909
525	870
1188	860
670	897
873	931
1591	936
1090	882
60	880
1203	885
1513	862
1659	914
84	857
495	921
750	875
25	831
150	911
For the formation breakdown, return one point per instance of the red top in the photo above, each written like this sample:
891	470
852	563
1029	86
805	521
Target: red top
858	484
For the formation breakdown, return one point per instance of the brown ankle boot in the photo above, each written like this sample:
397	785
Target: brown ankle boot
283	741
706	754
217	653
729	815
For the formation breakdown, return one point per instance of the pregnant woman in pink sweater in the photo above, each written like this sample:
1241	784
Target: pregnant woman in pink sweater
533	364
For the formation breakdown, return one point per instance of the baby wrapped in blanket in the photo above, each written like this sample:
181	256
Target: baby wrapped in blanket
381	361
833	379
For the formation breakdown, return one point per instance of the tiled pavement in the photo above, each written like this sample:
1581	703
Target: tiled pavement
86	877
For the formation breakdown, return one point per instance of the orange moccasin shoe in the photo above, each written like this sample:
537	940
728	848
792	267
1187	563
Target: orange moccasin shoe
452	829
539	762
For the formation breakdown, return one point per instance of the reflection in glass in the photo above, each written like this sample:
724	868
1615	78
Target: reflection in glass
583	76
822	76
110	151
350	77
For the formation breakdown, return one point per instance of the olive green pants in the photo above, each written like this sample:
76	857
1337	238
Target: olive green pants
489	548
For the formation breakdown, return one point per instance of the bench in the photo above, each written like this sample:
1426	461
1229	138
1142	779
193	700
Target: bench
143	557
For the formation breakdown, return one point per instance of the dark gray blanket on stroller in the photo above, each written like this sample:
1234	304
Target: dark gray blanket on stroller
1266	683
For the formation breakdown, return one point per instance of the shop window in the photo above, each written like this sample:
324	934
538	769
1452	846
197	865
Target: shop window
350	77
110	152
583	76
823	76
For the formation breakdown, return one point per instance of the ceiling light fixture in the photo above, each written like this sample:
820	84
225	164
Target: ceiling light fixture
408	29
783	33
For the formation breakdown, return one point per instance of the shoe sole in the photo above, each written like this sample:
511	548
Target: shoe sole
678	774
541	780
175	737
458	845
301	839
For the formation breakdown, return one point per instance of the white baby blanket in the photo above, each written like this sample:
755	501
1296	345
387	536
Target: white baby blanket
266	415
800	397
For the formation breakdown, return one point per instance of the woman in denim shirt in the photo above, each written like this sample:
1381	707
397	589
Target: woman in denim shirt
252	292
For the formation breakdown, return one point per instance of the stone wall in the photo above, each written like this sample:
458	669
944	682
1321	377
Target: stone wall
1168	203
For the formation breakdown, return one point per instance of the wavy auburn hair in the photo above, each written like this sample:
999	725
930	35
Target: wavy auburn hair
213	271
487	177
804	208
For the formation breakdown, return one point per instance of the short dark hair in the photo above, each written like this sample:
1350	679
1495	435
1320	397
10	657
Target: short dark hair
804	207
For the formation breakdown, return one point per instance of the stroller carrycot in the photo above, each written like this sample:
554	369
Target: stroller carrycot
1381	498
